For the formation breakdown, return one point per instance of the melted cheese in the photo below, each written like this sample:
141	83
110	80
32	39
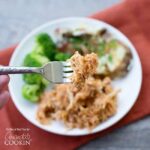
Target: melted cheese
106	65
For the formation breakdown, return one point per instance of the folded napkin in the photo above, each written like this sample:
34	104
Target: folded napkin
133	19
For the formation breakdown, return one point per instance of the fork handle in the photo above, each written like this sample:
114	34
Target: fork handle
4	70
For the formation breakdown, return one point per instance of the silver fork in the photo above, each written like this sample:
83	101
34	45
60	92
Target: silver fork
56	71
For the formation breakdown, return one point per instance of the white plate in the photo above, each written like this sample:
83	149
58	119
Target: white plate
130	85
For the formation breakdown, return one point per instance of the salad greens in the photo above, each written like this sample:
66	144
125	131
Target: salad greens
44	50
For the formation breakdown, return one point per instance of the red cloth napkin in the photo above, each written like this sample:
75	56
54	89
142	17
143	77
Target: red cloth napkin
133	19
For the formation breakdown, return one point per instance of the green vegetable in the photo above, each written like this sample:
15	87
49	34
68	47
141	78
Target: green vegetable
101	48
35	60
46	45
31	92
32	78
43	51
44	84
77	42
76	39
62	56
38	49
35	83
112	44
110	58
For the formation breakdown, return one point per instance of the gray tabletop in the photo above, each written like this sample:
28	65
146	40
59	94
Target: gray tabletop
19	17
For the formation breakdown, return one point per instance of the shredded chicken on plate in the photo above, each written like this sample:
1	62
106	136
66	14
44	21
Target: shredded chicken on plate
84	103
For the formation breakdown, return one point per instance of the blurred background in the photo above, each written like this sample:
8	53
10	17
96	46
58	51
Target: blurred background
19	17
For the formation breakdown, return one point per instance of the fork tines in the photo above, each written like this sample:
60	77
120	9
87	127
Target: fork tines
67	72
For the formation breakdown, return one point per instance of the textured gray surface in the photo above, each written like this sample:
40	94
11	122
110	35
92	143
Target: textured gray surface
135	136
19	17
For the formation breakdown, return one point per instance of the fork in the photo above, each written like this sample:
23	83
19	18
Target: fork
55	71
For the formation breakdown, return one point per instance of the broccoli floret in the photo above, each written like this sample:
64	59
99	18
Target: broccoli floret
46	44
44	84
43	51
35	60
32	78
31	92
62	56
35	79
38	49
